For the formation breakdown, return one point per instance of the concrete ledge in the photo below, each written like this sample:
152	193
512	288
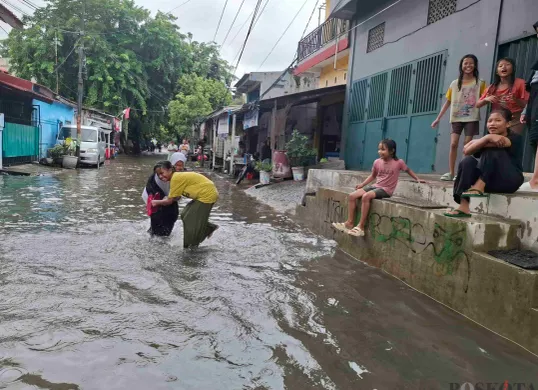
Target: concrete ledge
520	206
441	257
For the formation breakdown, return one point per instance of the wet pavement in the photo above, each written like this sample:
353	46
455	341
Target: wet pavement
90	301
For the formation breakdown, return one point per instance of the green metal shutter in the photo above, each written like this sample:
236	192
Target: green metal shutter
376	100
428	80
358	100
400	85
20	143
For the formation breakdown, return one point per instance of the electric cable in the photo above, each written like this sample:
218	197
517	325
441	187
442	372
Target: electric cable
220	21
248	34
282	35
233	22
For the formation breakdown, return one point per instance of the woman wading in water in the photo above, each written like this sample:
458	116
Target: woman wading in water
195	216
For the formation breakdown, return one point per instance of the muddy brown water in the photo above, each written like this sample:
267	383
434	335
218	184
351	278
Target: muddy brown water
89	301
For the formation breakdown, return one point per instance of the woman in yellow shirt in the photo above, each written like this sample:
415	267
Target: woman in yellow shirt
195	216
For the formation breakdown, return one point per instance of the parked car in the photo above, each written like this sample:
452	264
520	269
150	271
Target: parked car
93	144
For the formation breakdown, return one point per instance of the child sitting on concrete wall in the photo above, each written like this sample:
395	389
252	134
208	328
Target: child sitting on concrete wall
386	170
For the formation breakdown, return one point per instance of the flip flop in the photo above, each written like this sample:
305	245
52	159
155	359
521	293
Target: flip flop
459	214
474	193
447	177
356	232
341	227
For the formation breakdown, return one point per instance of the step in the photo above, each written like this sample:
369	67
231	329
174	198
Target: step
391	221
519	206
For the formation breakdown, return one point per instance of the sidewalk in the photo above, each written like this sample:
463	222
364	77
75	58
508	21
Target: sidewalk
32	169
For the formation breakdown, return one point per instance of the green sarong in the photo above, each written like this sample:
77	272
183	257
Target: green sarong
196	225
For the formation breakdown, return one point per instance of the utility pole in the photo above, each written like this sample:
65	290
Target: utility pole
80	81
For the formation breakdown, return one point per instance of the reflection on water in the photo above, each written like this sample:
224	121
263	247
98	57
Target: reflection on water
90	300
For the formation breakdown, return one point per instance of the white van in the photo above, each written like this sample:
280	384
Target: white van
93	143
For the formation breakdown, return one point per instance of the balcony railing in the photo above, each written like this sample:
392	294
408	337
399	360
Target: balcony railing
321	36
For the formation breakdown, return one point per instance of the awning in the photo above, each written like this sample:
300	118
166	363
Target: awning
297	99
22	86
9	17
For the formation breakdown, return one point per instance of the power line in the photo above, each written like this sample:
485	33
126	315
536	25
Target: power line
28	4
284	33
66	58
248	34
112	104
261	12
181	5
15	7
310	19
4	30
220	20
253	26
233	22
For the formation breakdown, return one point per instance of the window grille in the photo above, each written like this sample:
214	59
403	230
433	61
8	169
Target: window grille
376	37
440	9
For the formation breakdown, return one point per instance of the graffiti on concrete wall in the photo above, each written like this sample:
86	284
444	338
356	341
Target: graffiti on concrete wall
447	242
335	211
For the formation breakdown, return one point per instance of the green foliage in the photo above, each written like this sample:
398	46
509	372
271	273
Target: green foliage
298	150
197	97
133	59
263	166
58	151
323	160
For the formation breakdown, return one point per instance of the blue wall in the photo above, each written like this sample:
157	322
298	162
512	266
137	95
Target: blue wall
51	115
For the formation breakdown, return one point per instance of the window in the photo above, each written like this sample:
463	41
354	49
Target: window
376	37
440	9
336	80
326	83
345	76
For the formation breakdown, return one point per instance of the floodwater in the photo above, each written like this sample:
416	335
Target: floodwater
89	301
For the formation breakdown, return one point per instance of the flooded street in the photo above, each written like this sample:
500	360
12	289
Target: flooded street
90	301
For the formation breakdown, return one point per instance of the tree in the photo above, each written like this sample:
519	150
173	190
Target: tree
197	98
132	59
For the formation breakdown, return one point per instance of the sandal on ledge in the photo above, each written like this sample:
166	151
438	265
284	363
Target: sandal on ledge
356	232
341	227
474	193
457	214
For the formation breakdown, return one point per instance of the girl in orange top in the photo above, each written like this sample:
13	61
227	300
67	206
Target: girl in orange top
508	92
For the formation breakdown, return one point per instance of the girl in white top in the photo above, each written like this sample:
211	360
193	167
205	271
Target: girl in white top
461	98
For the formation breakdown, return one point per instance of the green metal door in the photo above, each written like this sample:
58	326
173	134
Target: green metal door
525	53
427	96
399	104
355	133
397	122
20	143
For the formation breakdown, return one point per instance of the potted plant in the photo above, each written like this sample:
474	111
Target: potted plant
70	160
299	154
265	169
56	154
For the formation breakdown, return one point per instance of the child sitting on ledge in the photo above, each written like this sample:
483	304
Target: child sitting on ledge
386	170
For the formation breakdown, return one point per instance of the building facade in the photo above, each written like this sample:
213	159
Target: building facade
326	50
405	54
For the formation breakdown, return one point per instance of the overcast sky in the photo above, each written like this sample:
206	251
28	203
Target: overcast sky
200	17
